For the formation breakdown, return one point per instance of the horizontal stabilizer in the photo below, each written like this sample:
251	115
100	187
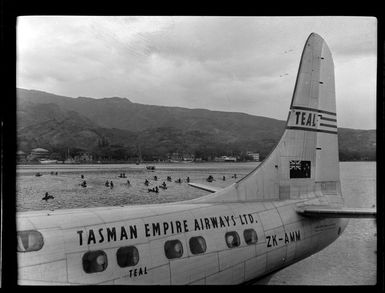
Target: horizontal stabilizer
332	212
205	187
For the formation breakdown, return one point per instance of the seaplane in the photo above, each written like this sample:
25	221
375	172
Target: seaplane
286	209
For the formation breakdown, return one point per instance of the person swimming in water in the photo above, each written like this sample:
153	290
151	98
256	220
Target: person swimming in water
163	185
82	176
155	178
188	179
84	184
146	182
128	182
156	189
107	184
111	184
224	178
169	178
47	197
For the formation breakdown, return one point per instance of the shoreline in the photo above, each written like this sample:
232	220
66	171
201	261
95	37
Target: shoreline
155	163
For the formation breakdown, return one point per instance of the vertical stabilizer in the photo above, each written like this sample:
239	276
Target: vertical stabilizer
305	162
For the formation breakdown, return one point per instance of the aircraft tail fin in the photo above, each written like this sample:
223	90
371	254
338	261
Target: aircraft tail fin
305	162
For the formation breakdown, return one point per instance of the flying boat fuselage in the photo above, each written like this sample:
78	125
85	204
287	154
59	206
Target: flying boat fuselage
265	236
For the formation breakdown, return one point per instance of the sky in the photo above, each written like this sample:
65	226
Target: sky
233	64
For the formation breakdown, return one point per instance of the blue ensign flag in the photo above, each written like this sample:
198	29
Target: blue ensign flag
299	169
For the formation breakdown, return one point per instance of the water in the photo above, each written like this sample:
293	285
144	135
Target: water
68	193
351	260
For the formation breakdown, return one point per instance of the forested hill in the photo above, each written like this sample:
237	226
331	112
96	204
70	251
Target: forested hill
116	127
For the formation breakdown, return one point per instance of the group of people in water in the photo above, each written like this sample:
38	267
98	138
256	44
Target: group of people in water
107	183
38	174
211	178
146	182
122	175
163	185
155	189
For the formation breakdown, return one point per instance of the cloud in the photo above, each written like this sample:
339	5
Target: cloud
244	64
355	100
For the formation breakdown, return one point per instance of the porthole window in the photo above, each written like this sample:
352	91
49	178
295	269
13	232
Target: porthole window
127	256
94	261
173	249
197	245
250	236
29	240
232	239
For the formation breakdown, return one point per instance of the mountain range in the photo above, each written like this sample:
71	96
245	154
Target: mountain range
56	122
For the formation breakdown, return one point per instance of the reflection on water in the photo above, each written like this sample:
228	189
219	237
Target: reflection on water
348	261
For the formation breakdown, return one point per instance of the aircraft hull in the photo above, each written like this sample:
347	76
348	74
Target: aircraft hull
284	237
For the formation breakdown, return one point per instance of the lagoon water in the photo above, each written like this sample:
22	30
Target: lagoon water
351	260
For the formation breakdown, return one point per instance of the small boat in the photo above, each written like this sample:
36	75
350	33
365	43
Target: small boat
46	161
150	167
38	174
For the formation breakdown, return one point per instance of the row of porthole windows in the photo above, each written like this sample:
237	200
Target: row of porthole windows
96	261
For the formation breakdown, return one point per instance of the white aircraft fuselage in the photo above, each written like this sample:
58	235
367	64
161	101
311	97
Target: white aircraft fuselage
283	238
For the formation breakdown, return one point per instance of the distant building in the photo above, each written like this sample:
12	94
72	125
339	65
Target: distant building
188	157
179	157
219	159
254	155
225	159
230	159
175	157
21	156
37	154
69	160
83	157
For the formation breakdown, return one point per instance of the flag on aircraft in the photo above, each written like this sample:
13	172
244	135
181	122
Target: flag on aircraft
299	169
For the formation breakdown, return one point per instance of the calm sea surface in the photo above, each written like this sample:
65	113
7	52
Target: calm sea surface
351	260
